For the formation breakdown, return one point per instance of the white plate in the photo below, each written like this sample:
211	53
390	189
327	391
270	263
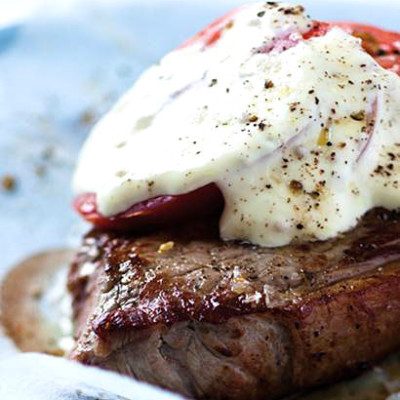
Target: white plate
61	68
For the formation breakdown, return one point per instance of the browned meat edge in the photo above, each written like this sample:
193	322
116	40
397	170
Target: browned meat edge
232	321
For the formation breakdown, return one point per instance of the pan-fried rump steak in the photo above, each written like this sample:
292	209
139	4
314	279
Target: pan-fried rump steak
210	319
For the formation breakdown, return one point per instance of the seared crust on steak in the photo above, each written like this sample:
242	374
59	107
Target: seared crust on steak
219	320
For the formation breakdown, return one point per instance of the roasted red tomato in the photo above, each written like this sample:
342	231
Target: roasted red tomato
384	46
212	33
156	212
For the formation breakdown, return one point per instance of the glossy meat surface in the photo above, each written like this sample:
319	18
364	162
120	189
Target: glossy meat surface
219	320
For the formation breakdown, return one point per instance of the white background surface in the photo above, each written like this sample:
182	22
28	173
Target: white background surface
64	60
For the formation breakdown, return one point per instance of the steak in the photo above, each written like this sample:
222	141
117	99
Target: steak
225	320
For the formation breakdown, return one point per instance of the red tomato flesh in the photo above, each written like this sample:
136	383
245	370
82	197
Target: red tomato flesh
161	211
157	212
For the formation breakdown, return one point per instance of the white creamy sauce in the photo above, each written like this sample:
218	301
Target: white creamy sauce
302	141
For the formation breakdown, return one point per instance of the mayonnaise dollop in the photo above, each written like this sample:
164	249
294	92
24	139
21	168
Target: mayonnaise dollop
301	136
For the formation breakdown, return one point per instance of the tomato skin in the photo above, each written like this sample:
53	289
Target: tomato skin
386	40
157	212
213	32
318	29
384	46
